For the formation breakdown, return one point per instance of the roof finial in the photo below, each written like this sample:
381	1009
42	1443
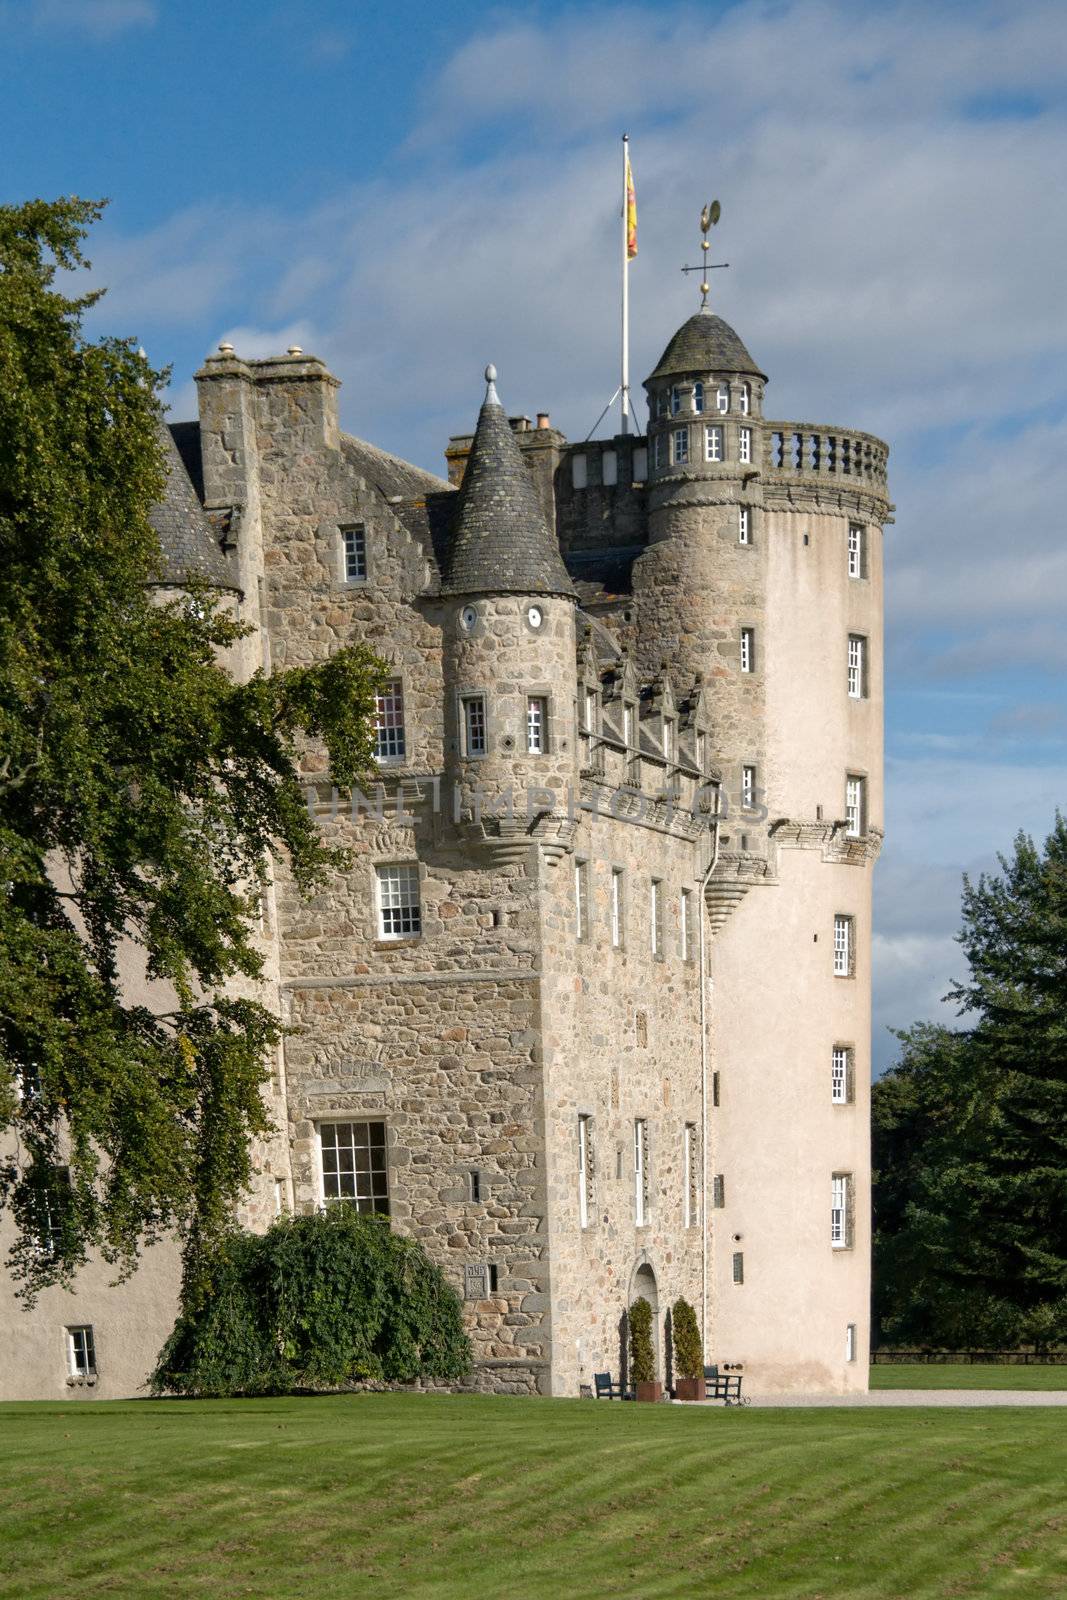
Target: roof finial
491	396
708	218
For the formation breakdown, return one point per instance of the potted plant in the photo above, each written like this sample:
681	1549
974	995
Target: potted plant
688	1355
642	1353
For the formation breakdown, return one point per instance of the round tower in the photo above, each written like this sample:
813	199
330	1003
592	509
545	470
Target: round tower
508	642
702	581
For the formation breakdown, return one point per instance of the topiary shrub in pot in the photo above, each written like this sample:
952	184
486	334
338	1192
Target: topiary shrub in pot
642	1352
688	1353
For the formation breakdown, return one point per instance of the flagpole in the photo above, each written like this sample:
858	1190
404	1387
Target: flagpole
625	386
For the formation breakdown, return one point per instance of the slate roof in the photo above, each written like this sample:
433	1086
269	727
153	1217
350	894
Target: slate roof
501	543
704	344
189	543
390	474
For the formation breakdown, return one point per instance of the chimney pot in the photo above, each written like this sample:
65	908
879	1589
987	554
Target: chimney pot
542	419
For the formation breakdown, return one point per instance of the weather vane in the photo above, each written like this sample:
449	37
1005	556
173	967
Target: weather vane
708	218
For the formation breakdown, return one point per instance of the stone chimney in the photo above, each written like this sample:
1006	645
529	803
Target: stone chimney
297	401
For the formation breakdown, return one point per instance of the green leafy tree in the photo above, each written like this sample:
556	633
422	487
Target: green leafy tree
685	1336
970	1129
315	1303
141	791
642	1350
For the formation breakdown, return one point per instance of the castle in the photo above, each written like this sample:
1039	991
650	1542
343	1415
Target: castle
589	1015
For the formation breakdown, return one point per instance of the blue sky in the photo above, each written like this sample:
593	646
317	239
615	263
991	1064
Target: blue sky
413	190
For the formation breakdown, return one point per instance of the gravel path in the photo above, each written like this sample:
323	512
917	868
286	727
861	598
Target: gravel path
921	1397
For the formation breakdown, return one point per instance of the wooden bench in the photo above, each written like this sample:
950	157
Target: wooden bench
724	1386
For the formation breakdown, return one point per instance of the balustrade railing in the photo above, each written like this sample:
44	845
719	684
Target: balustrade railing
802	450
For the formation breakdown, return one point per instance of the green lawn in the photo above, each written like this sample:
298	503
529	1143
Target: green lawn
389	1496
923	1376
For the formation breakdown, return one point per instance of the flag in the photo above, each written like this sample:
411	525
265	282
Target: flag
631	213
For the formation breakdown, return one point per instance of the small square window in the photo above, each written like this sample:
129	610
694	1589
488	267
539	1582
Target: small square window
354	1167
354	553
81	1352
399	906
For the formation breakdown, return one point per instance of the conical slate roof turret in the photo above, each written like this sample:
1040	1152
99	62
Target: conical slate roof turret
501	543
704	344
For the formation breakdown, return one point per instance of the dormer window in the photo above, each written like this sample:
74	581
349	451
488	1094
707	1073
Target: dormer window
698	396
722	398
745	399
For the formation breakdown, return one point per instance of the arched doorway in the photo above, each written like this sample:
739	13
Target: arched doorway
643	1286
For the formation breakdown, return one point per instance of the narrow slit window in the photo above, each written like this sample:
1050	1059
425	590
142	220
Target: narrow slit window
841	1075
475	739
641	1191
389	740
685	928
744	525
841	1211
616	908
354	553
581	899
656	910
691	1169
739	1267
536	725
585	1170
744	399
857	667
748	788
844	953
748	649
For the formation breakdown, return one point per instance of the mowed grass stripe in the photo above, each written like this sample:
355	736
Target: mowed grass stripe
932	1375
438	1496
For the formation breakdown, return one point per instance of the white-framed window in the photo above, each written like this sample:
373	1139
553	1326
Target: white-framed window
668	739
81	1351
617	908
739	1267
722	399
850	1342
748	788
641	1188
744	444
585	1170
659	450
691	1172
855	807
712	442
841	1210
857	562
841	1075
844	954
399	906
579	471
354	1166
744	399
354	553
857	667
702	750
609	469
590	711
676	400
656	918
748	649
698	396
536	725
581	899
389	722
685	924
633	755
680	446
51	1206
744	525
475	730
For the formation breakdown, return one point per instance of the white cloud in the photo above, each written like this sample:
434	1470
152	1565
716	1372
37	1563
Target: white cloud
100	19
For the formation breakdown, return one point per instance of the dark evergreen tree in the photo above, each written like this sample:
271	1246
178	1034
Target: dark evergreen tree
970	1129
142	791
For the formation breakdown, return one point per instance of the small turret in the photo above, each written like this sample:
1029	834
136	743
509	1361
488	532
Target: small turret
509	647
